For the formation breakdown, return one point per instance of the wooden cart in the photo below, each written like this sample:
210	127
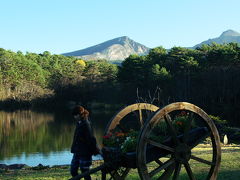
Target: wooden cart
175	152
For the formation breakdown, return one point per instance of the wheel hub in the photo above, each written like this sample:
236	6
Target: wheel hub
182	153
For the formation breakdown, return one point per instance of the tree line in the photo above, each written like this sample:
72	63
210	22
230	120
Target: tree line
30	77
207	76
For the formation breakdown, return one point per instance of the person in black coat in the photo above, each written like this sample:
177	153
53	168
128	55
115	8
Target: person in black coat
84	143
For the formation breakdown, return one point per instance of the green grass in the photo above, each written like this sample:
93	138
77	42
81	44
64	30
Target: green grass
230	168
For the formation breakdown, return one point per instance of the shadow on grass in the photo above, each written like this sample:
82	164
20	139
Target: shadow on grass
222	175
229	175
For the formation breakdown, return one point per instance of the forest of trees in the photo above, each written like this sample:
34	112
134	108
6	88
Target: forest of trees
208	76
29	78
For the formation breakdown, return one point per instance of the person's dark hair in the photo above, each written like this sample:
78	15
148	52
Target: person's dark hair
79	110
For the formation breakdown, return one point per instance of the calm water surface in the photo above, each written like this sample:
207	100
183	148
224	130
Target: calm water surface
28	137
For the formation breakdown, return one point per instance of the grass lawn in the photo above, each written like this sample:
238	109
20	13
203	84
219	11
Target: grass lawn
230	168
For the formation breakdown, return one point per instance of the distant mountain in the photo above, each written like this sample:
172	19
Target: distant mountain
115	49
226	37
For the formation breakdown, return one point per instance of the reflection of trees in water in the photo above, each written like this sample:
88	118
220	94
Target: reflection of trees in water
36	132
31	132
21	121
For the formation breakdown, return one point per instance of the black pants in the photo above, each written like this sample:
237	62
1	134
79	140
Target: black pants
84	162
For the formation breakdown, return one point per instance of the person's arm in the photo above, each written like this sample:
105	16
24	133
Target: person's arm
92	143
75	139
88	131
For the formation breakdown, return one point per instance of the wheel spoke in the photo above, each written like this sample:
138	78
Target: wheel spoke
125	173
187	128
164	166
114	174
189	171
162	146
171	128
202	160
159	162
177	171
140	117
119	175
167	173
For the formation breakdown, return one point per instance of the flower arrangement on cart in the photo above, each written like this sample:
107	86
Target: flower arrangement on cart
127	141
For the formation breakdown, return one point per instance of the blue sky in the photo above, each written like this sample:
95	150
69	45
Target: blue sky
61	26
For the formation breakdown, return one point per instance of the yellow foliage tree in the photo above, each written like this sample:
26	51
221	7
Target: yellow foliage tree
81	62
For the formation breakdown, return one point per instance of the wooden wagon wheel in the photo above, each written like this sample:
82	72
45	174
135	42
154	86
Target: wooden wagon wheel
177	150
138	109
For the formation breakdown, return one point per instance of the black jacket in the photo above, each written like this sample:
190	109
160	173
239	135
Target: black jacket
84	143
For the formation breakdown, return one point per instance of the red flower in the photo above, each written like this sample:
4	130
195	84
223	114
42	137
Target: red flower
179	123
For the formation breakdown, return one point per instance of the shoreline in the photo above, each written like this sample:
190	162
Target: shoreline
203	148
40	166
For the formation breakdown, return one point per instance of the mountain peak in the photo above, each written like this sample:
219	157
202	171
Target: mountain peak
121	40
115	49
124	38
226	37
230	33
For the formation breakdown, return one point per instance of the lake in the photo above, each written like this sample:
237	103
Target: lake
31	137
34	137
